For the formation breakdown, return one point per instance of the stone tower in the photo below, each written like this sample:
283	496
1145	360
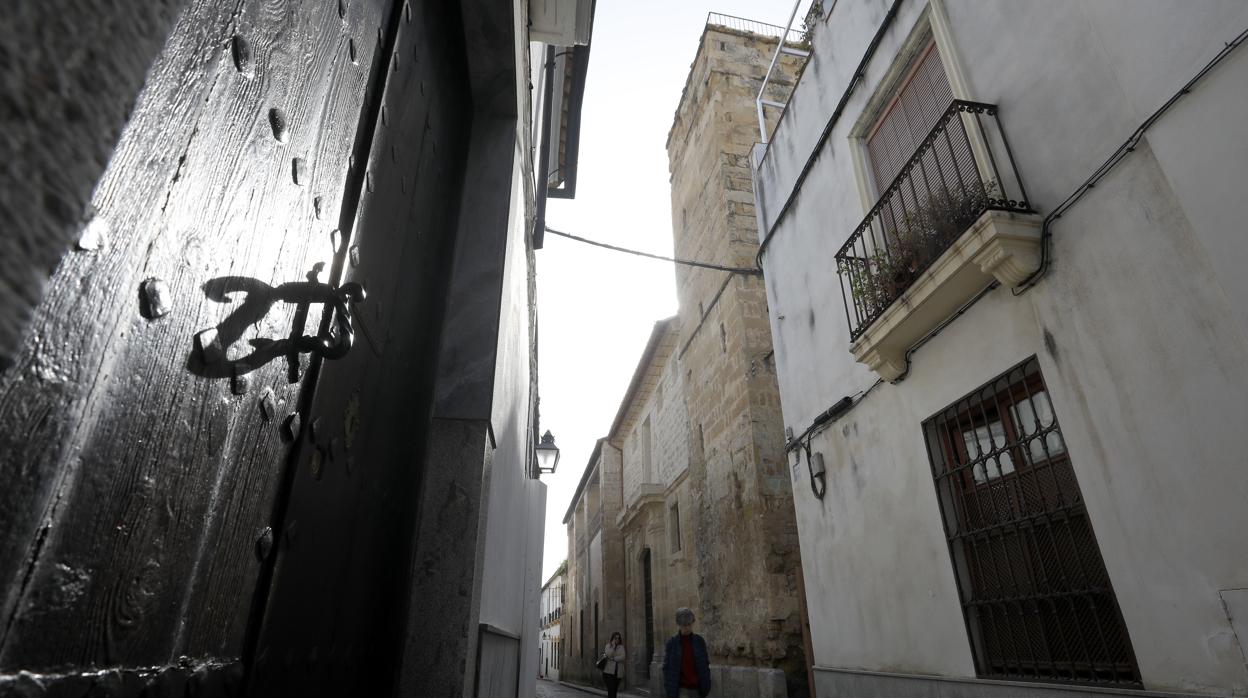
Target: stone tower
748	560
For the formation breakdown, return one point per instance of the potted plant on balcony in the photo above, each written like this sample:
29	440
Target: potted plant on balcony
913	241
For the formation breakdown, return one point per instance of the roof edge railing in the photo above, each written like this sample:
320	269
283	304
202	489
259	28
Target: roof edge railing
790	35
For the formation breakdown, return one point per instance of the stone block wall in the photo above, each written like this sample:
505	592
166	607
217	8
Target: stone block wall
674	582
655	414
611	600
595	568
742	534
671	439
573	600
659	419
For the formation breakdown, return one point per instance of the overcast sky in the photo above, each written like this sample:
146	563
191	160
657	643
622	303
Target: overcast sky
596	307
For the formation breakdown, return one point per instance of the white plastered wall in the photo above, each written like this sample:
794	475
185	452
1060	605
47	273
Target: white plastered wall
515	519
1140	329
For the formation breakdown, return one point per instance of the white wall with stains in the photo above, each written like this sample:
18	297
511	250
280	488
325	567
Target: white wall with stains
1140	328
515	517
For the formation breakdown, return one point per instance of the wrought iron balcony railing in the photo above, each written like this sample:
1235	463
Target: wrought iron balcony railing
963	168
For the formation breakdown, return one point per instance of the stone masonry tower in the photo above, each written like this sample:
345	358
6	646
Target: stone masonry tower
748	561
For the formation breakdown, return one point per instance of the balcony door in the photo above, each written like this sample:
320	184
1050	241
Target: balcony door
927	184
917	104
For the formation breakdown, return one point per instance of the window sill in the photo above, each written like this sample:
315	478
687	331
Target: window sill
999	246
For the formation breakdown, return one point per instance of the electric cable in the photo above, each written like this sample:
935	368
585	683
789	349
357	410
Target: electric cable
687	262
1127	147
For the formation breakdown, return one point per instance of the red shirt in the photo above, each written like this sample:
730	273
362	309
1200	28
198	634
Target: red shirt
688	672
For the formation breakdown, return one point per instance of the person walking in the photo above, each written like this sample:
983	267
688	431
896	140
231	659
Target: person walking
686	664
614	663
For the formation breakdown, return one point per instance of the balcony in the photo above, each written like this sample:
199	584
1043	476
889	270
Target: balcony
955	220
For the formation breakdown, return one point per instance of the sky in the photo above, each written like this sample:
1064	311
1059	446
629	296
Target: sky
596	307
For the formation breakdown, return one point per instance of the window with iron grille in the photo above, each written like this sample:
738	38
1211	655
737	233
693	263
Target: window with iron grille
1036	596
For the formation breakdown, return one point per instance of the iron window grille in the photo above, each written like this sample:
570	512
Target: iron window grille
963	168
1036	597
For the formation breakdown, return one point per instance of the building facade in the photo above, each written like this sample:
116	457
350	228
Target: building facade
550	645
594	606
1015	368
741	523
687	501
262	394
660	572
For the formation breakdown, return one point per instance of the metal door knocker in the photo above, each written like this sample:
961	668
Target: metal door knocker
257	298
328	345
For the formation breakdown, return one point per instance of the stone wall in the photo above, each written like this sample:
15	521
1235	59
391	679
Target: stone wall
671	440
655	419
595	590
611	598
740	527
655	413
573	599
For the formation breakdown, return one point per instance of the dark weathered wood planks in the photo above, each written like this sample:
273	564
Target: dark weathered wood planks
337	604
140	482
71	70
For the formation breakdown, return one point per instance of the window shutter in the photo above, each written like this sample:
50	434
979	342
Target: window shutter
920	101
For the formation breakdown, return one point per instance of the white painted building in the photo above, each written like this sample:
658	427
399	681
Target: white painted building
550	642
1017	402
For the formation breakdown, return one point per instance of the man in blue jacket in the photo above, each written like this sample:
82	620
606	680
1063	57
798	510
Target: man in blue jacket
686	665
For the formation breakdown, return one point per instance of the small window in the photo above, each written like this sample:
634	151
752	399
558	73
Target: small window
674	527
645	444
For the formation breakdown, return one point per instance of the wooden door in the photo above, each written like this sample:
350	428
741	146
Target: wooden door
167	457
338	602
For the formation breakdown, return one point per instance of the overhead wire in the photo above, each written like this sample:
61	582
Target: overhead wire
687	262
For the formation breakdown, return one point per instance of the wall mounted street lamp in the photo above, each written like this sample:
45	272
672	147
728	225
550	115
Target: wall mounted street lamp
547	455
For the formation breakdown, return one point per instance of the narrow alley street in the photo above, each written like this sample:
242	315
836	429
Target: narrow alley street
854	395
554	689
